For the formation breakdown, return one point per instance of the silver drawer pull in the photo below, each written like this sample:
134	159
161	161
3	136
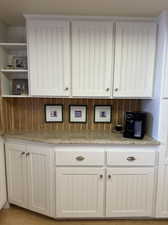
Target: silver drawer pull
131	158
80	158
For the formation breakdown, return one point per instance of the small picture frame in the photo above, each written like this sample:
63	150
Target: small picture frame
102	113
77	113
20	62
53	113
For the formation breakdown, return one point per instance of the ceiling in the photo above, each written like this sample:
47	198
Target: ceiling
11	10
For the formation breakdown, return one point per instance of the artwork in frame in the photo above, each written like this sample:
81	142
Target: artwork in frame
102	113
53	113
77	113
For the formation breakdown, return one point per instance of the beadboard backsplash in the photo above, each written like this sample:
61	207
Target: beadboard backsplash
27	114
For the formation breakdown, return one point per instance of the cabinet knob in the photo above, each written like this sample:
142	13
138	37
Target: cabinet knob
116	89
101	175
131	158
27	154
22	153
66	89
109	176
107	89
80	158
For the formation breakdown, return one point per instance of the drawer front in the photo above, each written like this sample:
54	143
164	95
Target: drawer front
131	158
79	158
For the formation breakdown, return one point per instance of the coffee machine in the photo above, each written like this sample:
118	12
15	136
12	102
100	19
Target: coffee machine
135	125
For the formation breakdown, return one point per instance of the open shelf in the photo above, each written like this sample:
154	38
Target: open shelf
12	46
13	71
15	96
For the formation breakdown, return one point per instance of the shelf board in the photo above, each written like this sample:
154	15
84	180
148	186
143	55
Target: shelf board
13	71
13	46
15	96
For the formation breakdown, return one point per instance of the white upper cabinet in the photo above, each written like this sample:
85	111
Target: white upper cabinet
92	58
134	59
49	57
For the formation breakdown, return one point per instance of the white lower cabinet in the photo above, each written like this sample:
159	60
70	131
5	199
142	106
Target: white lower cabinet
16	174
129	192
162	192
29	174
2	175
79	192
83	181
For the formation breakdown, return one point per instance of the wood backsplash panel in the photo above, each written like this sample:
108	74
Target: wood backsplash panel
27	114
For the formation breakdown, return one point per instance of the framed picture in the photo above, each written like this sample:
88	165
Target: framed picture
53	113
20	62
77	113
102	113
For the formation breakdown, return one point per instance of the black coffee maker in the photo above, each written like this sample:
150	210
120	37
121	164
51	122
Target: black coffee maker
135	125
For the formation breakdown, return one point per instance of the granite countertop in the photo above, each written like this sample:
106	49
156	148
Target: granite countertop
85	137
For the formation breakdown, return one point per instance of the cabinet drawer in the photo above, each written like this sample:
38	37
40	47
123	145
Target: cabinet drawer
79	158
130	158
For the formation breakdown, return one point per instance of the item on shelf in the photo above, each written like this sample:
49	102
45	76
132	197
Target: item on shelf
118	127
19	87
53	113
78	113
9	67
102	113
20	62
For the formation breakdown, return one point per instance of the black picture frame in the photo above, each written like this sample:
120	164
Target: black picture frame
110	106
75	105
62	108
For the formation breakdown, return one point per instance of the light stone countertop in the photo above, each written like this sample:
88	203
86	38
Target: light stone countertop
84	137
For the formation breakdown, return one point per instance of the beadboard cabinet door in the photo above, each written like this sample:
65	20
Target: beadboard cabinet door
129	192
134	59
92	58
3	196
39	181
17	174
49	57
79	192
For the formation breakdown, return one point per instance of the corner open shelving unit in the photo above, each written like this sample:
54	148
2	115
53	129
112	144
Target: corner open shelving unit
13	45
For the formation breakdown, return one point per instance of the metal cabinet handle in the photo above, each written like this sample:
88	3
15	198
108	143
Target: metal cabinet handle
27	154
66	89
22	153
131	158
116	89
107	89
80	158
101	175
109	176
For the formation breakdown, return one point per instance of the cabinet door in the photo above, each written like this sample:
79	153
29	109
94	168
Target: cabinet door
16	174
92	58
49	57
129	192
79	192
162	194
2	175
39	178
134	59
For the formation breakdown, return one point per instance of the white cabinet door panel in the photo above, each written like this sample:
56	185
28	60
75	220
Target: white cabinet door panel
2	176
129	192
79	192
162	193
134	59
92	58
49	57
16	174
39	179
